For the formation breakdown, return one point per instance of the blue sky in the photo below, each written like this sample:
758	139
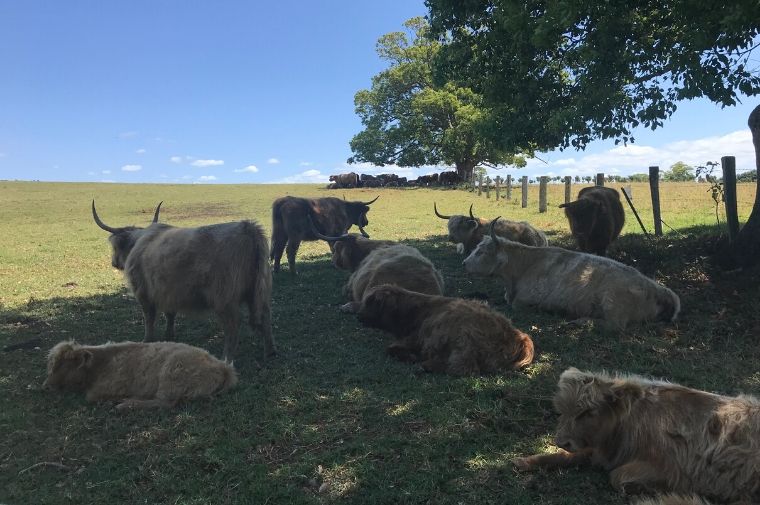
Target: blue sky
231	92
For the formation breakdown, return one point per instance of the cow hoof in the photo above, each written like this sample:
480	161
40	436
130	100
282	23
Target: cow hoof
522	464
349	308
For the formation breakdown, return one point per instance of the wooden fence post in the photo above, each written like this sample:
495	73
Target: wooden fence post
568	188
480	184
728	164
509	187
654	188
488	187
628	190
543	183
600	179
498	184
524	191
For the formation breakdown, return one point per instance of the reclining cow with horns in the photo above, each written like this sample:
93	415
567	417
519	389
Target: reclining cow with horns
467	232
350	249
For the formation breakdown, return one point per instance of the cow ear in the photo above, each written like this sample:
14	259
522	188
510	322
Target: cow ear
473	224
624	394
85	358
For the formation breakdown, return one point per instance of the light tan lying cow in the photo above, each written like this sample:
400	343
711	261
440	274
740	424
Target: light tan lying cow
400	265
655	436
450	335
577	284
467	232
672	499
141	375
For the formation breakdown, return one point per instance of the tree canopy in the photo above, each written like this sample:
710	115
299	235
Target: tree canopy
679	172
410	121
563	73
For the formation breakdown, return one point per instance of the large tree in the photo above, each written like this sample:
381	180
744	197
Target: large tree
410	121
566	72
679	172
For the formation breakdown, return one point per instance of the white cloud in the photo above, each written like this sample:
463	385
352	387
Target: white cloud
176	159
106	172
131	168
187	177
141	151
306	163
308	177
206	178
273	161
90	173
107	180
127	135
207	163
249	168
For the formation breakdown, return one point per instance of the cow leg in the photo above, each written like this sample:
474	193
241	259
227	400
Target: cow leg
231	321
135	404
169	334
278	247
350	307
559	459
149	315
260	320
291	250
637	477
402	352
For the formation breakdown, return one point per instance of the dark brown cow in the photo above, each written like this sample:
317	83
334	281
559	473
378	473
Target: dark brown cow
449	178
655	436
291	226
450	335
596	218
216	267
427	180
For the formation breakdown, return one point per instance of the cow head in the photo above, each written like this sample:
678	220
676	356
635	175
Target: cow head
122	239
462	229
388	307
357	213
582	215
488	256
343	247
591	407
68	367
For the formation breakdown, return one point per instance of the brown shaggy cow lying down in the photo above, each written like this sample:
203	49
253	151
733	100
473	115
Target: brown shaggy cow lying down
657	437
400	265
450	335
141	375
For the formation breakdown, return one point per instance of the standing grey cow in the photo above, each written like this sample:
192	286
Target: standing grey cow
216	267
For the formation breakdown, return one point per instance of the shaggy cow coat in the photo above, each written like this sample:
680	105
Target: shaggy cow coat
400	265
577	284
349	252
655	436
448	335
595	218
140	375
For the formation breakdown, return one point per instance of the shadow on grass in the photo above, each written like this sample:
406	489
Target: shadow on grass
334	418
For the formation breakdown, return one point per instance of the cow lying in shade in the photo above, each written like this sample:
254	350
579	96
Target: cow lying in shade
672	499
449	335
467	232
578	284
140	375
350	249
656	436
400	265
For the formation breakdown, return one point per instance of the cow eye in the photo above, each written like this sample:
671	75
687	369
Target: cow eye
586	413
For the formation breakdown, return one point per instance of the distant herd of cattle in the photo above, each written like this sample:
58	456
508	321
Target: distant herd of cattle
651	436
354	180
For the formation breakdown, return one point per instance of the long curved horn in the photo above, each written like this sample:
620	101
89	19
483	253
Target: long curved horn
493	223
155	216
361	230
101	223
371	201
438	213
471	216
325	237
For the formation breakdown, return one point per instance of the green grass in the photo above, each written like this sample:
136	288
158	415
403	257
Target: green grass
332	419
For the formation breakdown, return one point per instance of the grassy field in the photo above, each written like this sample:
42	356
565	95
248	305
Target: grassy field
332	419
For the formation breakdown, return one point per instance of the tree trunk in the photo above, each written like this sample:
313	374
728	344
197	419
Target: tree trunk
746	248
464	169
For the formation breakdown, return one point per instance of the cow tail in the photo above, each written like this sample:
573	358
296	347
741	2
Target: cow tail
278	227
525	353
